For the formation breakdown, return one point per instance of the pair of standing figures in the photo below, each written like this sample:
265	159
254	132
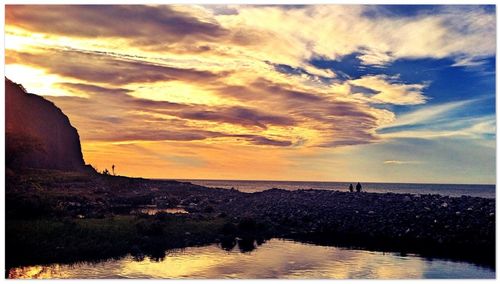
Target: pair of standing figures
358	187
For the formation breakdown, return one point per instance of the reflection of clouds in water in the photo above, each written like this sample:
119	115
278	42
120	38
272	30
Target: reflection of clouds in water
274	259
449	269
37	271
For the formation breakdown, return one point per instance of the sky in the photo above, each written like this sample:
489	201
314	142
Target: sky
267	92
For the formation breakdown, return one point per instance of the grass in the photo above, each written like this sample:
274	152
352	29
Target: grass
48	240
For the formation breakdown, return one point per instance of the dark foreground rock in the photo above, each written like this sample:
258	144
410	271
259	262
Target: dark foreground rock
430	225
38	134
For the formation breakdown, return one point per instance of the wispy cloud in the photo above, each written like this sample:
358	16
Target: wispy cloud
102	68
426	114
483	127
389	92
136	23
398	162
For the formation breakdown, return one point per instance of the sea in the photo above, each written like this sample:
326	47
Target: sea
453	190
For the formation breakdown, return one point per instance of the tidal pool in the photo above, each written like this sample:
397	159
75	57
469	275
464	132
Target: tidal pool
154	211
275	258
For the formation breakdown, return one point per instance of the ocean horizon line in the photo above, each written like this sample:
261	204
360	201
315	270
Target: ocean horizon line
312	181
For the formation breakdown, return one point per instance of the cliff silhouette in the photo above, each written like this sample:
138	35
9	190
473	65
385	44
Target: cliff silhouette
38	134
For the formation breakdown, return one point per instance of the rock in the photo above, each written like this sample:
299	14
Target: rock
38	133
371	212
444	205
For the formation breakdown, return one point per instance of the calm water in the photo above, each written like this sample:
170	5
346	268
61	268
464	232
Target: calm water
273	259
415	188
153	210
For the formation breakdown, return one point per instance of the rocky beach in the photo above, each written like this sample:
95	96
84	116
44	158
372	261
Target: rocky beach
93	216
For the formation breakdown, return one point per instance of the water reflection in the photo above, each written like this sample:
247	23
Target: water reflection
153	210
273	259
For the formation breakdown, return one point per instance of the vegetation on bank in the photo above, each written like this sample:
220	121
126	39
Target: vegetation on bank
62	217
49	240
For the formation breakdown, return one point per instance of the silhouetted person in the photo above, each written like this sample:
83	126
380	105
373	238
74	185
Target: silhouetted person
113	168
351	188
358	187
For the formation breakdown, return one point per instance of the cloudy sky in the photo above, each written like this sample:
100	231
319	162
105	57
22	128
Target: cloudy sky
330	92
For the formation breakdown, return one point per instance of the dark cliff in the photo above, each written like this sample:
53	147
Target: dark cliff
38	133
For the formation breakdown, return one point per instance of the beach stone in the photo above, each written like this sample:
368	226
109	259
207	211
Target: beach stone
444	205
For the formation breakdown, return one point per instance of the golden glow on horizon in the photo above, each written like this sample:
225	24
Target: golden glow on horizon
207	159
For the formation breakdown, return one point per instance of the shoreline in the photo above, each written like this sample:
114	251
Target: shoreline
99	207
313	181
451	190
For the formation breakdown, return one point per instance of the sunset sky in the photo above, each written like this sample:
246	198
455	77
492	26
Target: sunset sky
314	93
